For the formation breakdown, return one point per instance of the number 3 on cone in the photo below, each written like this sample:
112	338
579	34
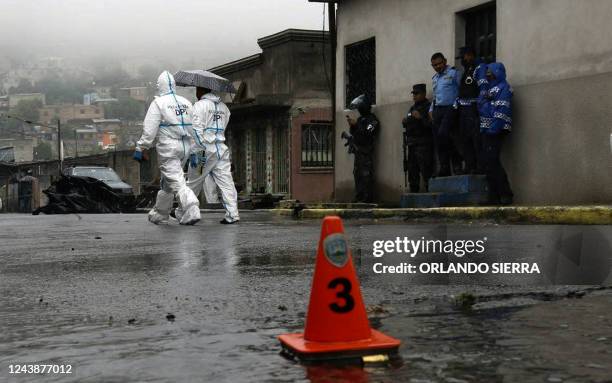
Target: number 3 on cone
344	294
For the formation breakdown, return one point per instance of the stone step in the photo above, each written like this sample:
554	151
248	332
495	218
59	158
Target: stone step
420	200
292	204
427	200
459	184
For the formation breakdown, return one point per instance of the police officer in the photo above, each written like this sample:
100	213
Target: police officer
363	131
469	124
445	91
419	139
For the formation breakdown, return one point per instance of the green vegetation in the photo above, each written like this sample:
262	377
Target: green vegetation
27	110
43	151
126	109
9	127
57	91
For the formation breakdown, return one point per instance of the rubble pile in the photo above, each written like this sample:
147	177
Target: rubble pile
85	195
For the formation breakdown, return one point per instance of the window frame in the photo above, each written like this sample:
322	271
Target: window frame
370	73
478	34
326	150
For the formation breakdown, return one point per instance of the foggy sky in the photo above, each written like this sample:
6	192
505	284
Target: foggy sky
205	32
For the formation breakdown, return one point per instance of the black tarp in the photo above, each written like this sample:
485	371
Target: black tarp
72	194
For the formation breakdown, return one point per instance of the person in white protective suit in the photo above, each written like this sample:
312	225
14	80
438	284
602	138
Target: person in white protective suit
210	118
169	119
199	184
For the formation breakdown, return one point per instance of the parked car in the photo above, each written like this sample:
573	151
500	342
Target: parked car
106	175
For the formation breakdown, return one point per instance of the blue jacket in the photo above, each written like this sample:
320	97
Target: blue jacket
445	87
495	101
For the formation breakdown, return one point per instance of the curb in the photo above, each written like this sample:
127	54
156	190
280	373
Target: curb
546	215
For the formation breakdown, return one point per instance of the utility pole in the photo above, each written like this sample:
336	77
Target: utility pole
59	145
331	13
76	144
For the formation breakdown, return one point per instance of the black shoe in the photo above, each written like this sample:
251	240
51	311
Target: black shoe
226	222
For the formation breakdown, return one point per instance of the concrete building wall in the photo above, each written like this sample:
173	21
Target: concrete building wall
14	99
309	184
288	79
50	113
312	66
23	149
137	93
295	68
559	62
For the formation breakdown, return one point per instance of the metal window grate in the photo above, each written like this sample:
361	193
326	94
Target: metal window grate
259	161
236	141
360	60
280	146
317	145
480	31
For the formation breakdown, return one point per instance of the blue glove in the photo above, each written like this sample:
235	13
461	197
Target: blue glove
194	160
137	155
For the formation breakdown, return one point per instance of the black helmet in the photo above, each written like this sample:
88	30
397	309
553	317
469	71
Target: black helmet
361	103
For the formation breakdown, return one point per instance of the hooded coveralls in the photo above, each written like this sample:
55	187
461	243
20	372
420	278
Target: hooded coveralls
495	109
169	120
210	118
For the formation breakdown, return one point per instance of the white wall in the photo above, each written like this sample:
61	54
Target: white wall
545	44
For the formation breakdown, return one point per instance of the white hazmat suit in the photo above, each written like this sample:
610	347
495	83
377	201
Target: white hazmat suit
169	119
206	184
210	118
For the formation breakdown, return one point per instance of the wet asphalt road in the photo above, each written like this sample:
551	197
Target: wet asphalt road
96	291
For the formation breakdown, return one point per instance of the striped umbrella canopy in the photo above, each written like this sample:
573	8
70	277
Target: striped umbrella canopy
204	79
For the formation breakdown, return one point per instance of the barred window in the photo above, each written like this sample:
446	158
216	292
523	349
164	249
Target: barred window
317	145
360	67
480	30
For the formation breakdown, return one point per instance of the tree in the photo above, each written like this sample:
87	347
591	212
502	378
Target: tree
43	151
58	91
10	127
28	109
108	72
25	86
126	109
96	149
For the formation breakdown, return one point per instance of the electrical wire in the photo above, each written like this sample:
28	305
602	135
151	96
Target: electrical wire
28	121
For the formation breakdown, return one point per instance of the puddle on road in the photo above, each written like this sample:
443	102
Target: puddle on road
440	344
232	291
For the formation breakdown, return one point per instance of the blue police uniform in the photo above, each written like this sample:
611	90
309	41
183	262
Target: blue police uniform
445	87
445	92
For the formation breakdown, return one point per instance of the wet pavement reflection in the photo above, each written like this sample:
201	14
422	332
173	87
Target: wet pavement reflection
124	300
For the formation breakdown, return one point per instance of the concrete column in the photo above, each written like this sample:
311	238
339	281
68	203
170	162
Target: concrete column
248	160
269	155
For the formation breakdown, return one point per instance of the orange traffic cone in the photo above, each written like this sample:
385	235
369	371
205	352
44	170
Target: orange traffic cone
337	325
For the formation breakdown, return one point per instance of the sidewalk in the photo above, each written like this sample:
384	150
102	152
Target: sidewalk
548	215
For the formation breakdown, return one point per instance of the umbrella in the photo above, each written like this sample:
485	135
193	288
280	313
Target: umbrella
204	79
